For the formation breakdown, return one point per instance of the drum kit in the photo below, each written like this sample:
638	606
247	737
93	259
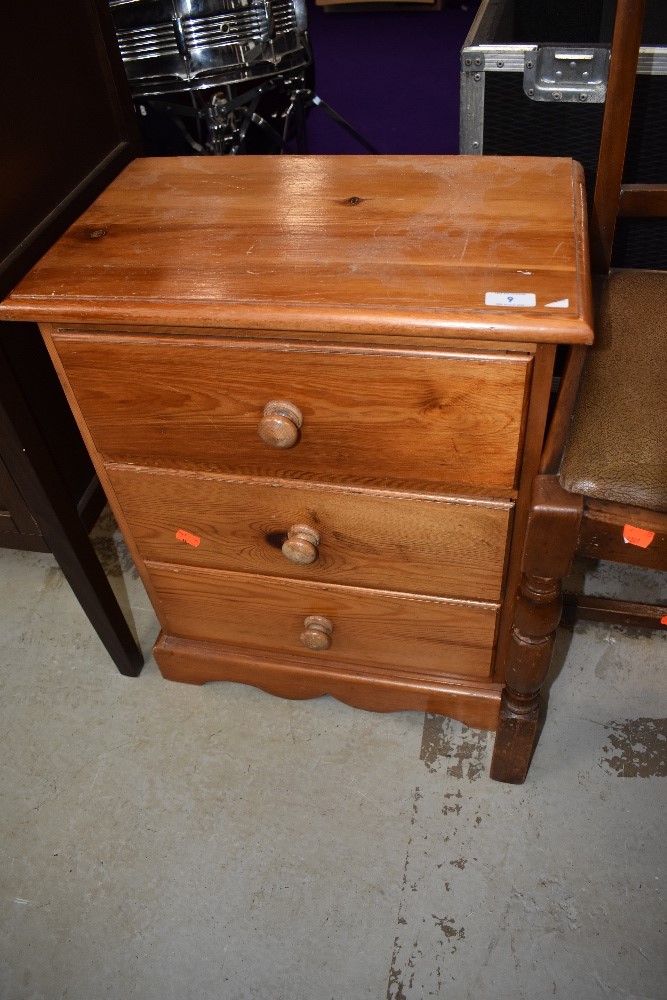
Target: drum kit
221	68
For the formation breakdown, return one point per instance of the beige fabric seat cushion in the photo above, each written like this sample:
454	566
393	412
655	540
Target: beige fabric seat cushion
617	447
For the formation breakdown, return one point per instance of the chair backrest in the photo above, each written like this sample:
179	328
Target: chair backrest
612	198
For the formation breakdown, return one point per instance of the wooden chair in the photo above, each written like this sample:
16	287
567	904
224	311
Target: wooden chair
602	487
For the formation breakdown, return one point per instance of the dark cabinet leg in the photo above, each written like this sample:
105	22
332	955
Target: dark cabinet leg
550	544
78	560
39	481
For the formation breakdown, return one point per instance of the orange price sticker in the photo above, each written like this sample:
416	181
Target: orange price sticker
188	538
637	536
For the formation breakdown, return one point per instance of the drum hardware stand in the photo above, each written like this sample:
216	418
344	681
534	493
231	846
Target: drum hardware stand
301	101
228	118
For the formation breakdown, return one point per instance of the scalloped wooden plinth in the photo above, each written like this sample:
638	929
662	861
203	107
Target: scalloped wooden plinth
475	705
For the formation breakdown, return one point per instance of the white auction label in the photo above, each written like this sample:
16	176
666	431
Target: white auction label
521	299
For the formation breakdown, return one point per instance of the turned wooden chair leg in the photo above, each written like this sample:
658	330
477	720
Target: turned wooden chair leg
551	537
537	614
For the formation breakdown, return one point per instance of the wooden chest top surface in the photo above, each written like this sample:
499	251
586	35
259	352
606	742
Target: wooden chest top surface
483	247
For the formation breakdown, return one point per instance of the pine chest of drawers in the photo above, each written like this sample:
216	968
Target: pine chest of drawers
315	390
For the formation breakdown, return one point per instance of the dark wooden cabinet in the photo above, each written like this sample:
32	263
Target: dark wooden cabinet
27	365
68	129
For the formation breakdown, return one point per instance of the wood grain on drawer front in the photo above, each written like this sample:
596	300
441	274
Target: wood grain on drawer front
366	539
367	415
369	627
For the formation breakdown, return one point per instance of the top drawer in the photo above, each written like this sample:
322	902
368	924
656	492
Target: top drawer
452	419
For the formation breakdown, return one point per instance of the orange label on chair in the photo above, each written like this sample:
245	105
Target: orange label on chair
637	536
188	538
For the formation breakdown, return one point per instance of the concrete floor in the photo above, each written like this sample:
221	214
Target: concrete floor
163	841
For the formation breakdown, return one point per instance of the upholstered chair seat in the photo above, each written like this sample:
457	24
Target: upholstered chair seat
617	445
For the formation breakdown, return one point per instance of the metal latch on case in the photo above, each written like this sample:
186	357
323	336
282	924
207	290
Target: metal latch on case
569	75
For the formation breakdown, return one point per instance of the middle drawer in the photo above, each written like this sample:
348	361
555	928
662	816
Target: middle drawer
421	545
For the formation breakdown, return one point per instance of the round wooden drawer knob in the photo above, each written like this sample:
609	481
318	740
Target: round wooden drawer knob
301	543
317	633
280	424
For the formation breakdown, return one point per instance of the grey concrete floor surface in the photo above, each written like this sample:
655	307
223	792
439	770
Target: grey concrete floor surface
165	841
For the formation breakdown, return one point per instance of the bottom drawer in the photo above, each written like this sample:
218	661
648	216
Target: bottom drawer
376	628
